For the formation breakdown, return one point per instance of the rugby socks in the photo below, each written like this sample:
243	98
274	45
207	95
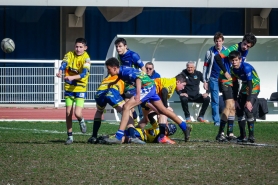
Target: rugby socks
134	114
230	126
70	136
151	117
222	126
183	126
241	125
131	132
96	126
119	134
162	128
251	128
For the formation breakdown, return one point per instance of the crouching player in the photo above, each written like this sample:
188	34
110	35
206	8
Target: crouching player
247	95
145	91
107	95
165	87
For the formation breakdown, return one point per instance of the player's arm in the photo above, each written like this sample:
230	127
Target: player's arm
138	83
218	58
84	73
164	97
138	62
235	88
62	68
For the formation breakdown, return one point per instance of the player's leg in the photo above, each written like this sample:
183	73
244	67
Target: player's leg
241	119
163	110
69	100
229	104
79	104
101	103
251	119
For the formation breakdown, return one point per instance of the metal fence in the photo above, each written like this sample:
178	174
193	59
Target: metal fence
34	82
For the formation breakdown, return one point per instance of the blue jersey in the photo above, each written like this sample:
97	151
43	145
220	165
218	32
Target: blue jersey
131	59
246	72
129	76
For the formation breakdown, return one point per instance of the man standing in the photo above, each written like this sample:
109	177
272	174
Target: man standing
191	92
211	73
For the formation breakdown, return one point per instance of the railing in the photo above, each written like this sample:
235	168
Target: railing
34	82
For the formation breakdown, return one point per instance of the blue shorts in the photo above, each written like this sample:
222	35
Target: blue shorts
147	94
111	96
75	94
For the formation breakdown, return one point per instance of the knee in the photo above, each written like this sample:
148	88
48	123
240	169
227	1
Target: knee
207	99
184	99
249	115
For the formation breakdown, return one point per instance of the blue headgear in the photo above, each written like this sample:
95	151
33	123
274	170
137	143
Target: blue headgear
171	128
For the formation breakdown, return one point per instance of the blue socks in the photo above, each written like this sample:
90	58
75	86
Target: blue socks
183	126
119	134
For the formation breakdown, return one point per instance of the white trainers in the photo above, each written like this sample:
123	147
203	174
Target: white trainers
82	125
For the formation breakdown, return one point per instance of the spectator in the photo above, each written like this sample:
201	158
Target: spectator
191	92
150	71
211	73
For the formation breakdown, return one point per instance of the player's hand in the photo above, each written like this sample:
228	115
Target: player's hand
205	86
170	108
69	78
227	75
59	75
237	105
249	106
137	98
205	95
184	94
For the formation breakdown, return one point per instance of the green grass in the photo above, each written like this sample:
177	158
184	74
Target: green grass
34	153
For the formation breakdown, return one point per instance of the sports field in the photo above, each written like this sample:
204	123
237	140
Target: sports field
34	153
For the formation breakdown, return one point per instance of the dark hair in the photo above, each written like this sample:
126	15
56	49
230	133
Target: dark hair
112	62
218	35
149	63
81	40
234	54
250	38
180	77
120	40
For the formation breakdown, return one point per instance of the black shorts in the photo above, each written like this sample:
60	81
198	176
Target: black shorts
127	95
227	92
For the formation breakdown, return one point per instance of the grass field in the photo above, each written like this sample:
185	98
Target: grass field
34	153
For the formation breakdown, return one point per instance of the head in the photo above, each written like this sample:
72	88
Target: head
249	40
121	46
80	46
171	129
190	67
218	40
181	82
112	65
149	68
235	59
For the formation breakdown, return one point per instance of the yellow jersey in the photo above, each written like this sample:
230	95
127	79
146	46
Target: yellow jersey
168	83
75	66
149	135
120	85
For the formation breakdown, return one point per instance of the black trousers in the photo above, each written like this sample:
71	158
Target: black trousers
197	99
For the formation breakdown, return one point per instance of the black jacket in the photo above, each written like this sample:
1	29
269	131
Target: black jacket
261	109
192	87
